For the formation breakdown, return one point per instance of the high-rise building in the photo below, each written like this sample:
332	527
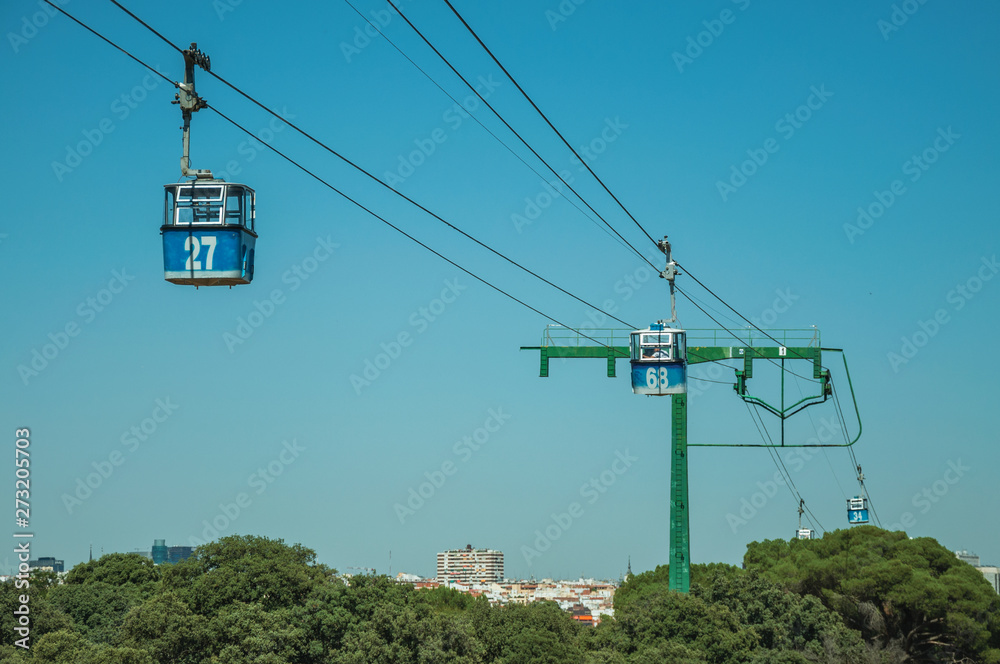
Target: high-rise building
970	558
159	552
168	555
47	563
175	554
992	575
470	565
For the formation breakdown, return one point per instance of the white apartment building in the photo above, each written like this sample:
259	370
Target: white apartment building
468	566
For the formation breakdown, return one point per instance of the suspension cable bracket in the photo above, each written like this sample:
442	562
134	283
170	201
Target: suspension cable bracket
669	273
190	102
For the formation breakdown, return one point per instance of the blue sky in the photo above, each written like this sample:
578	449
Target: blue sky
885	107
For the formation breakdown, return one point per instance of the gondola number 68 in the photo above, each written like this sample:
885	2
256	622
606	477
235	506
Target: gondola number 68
656	378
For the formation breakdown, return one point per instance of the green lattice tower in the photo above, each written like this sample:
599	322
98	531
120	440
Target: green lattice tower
680	525
609	350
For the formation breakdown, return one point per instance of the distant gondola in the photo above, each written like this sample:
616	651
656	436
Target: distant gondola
857	510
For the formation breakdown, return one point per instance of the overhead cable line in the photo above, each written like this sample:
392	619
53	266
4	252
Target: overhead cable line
709	380
111	43
780	464
823	449
854	459
402	232
544	117
621	240
736	336
342	194
375	179
599	180
728	306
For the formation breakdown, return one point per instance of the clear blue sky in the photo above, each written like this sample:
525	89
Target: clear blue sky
681	116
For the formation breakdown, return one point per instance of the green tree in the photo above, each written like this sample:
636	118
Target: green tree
97	609
167	629
97	594
249	634
658	622
516	633
43	616
116	569
790	626
913	595
247	569
65	647
382	621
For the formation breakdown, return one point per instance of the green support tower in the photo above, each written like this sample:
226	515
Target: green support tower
659	357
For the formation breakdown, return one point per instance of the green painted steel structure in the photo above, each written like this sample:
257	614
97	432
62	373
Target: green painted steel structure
680	545
680	524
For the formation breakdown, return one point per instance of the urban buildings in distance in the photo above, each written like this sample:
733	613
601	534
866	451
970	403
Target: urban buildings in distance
992	574
470	566
50	564
168	555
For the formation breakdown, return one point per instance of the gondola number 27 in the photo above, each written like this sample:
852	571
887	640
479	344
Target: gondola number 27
193	247
657	378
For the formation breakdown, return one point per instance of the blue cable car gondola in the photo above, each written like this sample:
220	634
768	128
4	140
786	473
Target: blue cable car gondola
208	233
208	224
857	510
659	360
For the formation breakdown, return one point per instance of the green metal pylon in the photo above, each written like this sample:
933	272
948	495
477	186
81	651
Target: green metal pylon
680	540
608	345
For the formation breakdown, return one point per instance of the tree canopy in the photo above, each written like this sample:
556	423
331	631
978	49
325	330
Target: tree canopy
861	596
910	594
